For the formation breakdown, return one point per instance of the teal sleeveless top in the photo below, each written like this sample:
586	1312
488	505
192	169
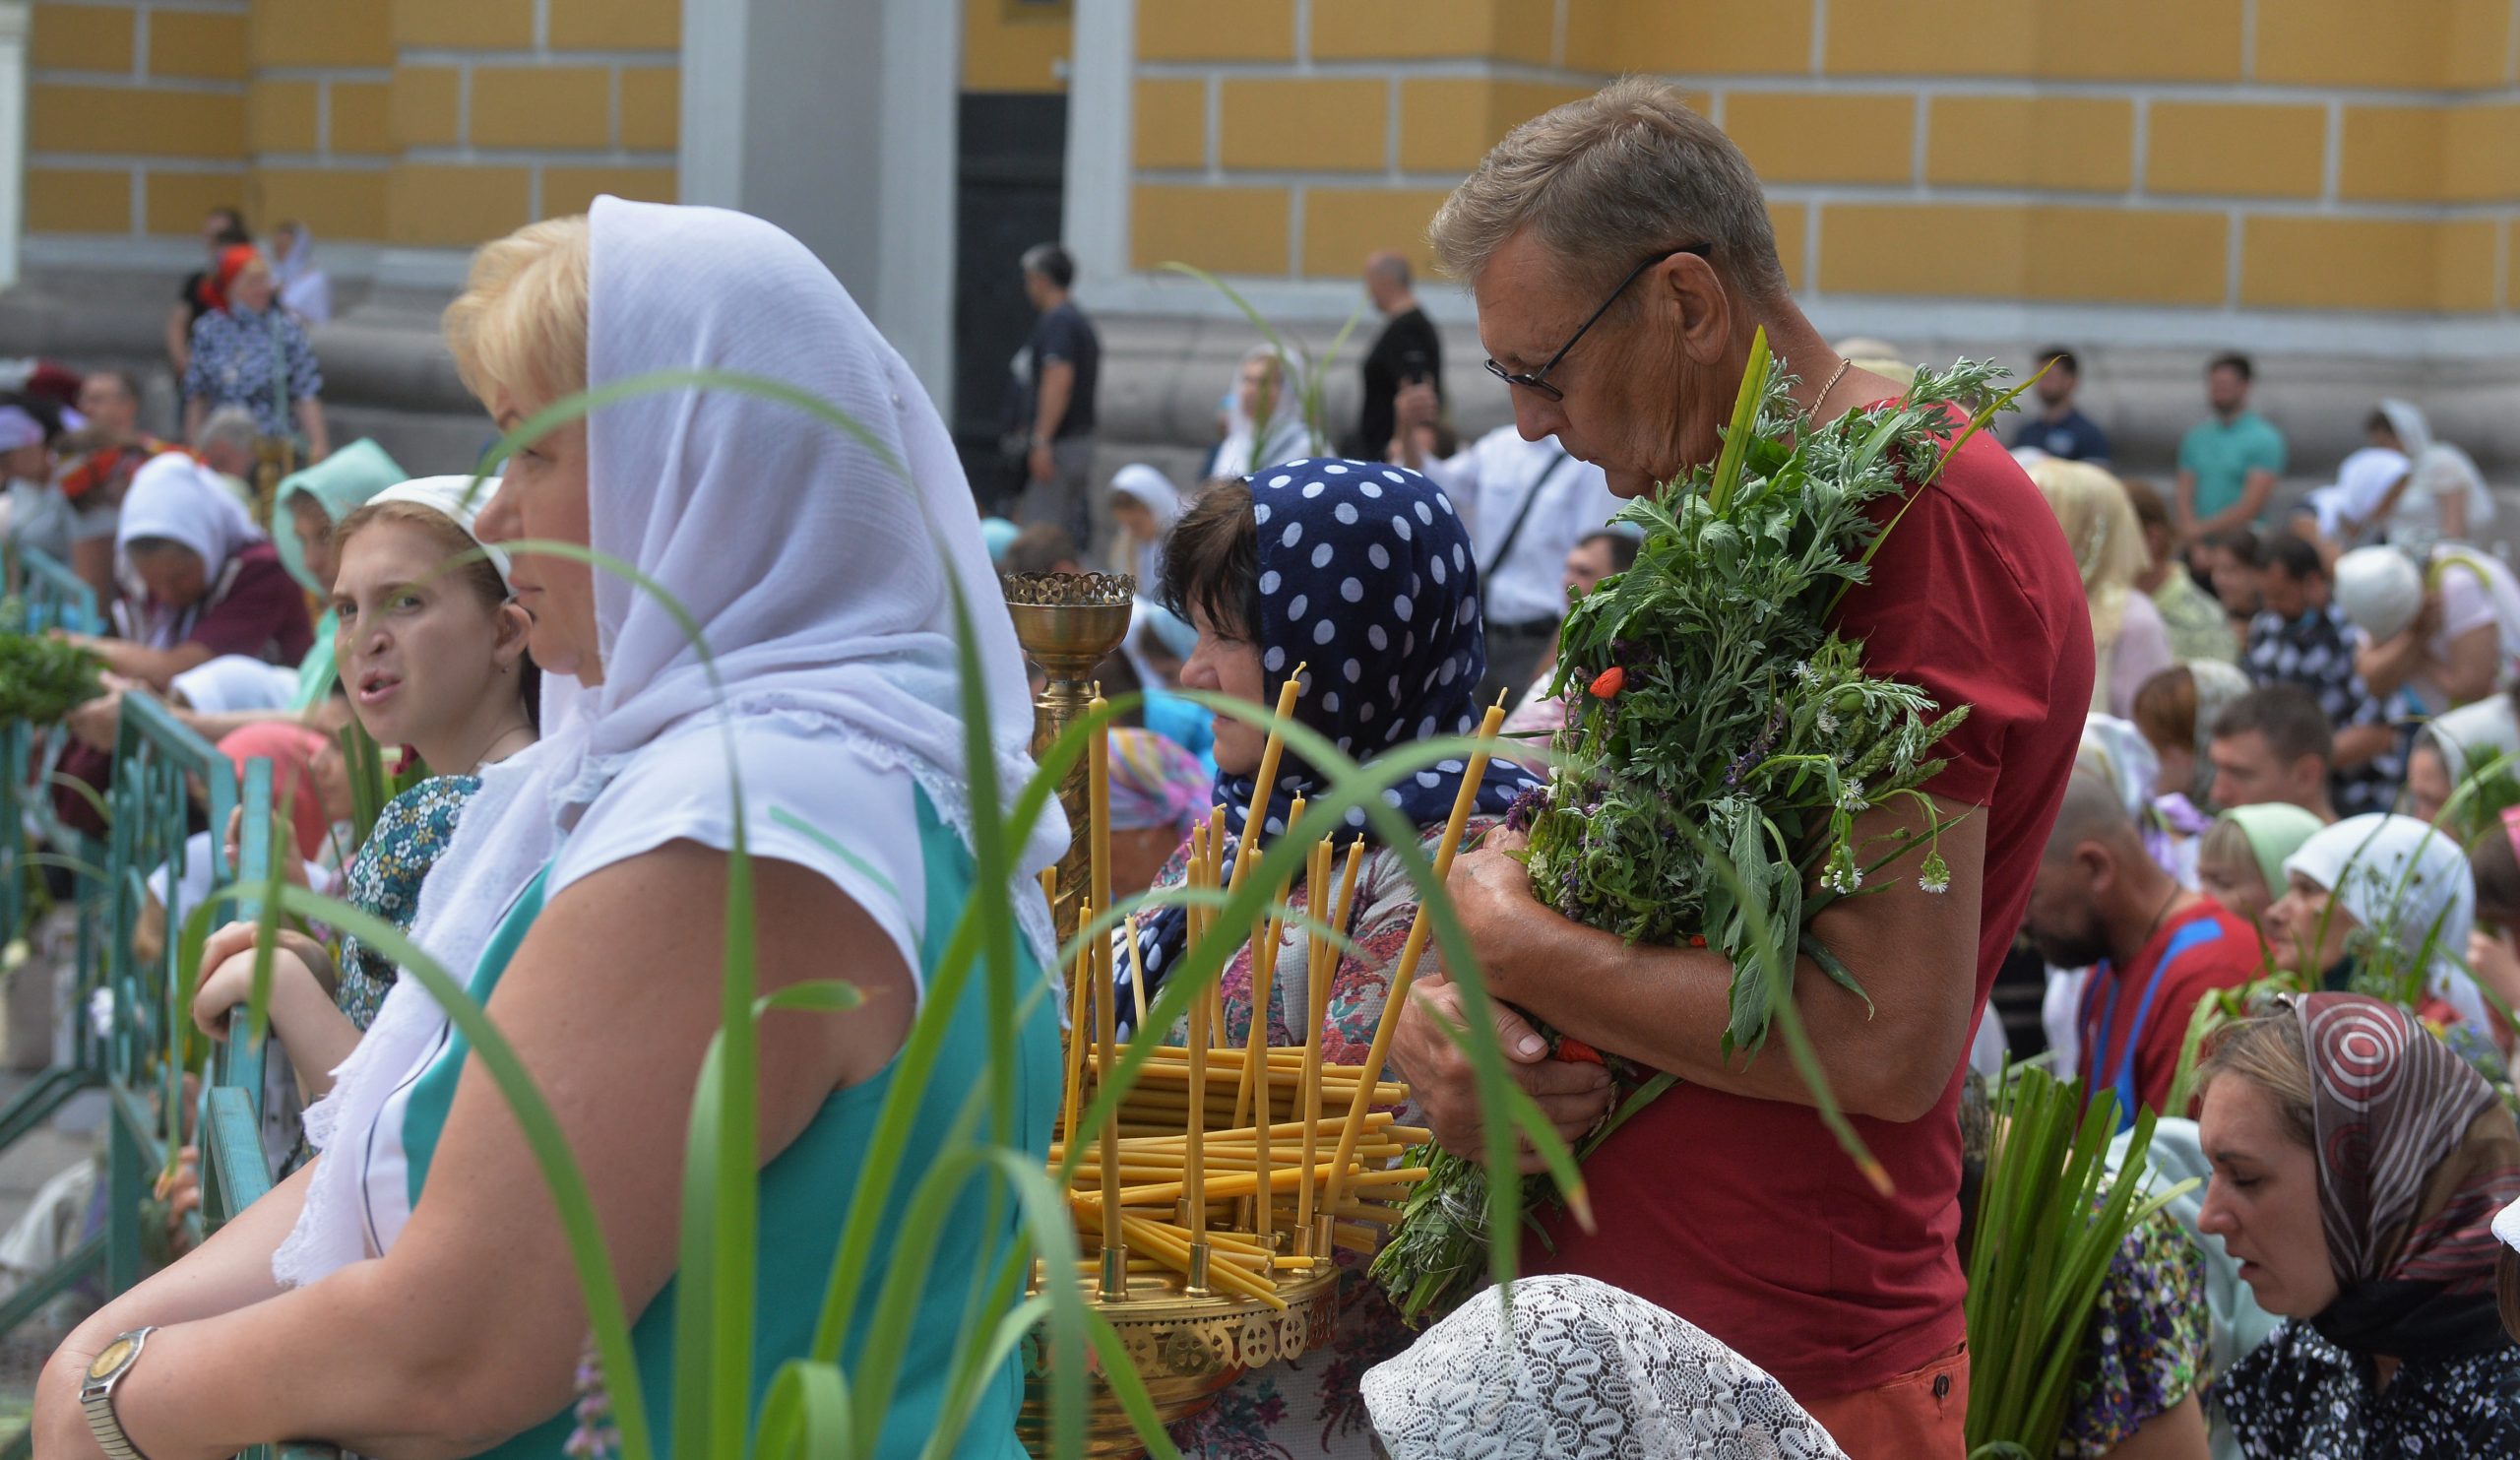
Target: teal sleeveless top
805	1194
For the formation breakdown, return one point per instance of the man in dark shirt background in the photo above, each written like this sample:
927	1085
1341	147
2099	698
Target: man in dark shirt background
1054	379
1406	352
2061	428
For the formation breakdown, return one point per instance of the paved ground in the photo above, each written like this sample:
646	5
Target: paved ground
68	1139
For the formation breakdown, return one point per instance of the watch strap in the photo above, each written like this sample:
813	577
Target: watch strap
96	1400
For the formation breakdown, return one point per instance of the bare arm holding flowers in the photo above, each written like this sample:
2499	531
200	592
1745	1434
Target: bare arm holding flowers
1915	952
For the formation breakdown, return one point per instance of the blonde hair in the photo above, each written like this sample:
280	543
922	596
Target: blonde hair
2101	528
2267	1050
1608	179
520	322
2226	843
480	572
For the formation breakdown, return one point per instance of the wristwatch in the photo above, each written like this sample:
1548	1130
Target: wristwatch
97	1395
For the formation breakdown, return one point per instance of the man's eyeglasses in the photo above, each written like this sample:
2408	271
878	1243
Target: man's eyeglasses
1538	380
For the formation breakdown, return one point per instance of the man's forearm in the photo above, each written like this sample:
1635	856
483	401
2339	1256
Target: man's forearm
2356	744
1058	381
2255	493
1669	1008
2385	667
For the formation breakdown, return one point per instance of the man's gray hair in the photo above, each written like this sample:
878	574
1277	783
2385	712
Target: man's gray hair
231	424
1607	180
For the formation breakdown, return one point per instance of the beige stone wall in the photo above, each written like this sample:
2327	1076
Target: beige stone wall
427	123
2273	155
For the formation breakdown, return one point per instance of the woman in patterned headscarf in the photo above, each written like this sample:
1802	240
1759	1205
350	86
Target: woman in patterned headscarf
1359	577
2358	1167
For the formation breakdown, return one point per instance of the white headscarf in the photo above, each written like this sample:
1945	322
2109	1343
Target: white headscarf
1283	437
2409	886
177	500
1585	1371
823	589
303	288
1152	490
455	498
2437	469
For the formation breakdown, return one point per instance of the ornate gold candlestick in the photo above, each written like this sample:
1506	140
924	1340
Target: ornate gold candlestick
1067	623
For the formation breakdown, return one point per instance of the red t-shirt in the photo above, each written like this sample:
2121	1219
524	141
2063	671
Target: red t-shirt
2134	1025
1744	1216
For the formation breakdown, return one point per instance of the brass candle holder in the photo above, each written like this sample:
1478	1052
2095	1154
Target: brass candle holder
1067	623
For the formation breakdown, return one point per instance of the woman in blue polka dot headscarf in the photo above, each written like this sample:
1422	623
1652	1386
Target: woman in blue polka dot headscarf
1363	574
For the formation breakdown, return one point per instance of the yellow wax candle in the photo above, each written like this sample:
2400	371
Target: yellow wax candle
1419	929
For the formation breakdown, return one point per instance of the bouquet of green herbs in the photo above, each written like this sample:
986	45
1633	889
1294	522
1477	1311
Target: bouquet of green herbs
43	678
1721	740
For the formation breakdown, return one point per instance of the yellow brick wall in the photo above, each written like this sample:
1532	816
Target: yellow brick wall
415	122
1012	45
2273	155
138	116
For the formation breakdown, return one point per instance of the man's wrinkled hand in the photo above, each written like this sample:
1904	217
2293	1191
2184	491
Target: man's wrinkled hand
1573	1098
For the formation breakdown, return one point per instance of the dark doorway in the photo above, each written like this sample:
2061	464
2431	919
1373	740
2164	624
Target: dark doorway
1014	158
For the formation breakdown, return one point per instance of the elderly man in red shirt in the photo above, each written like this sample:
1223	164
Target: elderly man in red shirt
1620	253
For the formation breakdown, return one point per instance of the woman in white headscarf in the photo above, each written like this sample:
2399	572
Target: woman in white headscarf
304	289
825	593
199	579
2403	485
1144	506
2439	632
1266	425
1582	1370
2381	903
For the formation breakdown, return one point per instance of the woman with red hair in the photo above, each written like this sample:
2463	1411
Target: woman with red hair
246	352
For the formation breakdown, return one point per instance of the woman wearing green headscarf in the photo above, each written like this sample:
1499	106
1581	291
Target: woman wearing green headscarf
304	510
2240	862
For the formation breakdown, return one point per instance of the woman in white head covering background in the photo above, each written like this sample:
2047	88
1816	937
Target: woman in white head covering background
824	591
2439	630
199	579
1265	425
2402	485
305	290
1144	506
2381	903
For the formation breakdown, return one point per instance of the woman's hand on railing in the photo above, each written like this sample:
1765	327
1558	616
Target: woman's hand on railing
97	723
298	969
284	854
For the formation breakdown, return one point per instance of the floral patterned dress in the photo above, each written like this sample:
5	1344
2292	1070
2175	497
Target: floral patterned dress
384	879
1297	1408
2148	1343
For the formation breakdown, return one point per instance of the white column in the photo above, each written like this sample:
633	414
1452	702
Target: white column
837	122
1095	209
13	135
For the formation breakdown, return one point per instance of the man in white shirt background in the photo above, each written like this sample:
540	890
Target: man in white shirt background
1526	505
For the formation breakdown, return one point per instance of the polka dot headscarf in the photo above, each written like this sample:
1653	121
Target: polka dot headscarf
1365	577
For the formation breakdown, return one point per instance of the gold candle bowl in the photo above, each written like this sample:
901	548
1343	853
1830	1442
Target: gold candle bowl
1187	1351
1067	623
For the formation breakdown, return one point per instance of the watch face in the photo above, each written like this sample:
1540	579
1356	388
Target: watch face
116	1353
